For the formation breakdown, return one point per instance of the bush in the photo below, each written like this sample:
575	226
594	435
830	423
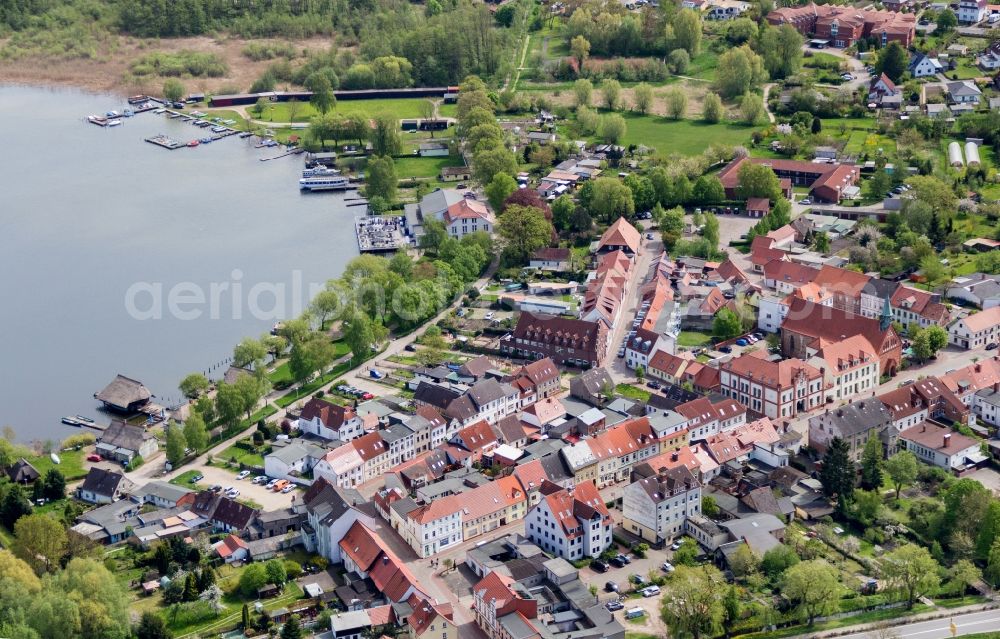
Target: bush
181	63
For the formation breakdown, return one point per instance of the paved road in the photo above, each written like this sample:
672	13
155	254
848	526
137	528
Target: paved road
649	250
966	624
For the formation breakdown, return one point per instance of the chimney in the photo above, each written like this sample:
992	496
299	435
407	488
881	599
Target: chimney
947	440
674	456
923	427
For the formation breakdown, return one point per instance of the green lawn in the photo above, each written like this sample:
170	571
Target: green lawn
703	65
640	635
242	456
399	107
71	466
283	374
185	479
418	167
693	339
685	137
632	392
831	125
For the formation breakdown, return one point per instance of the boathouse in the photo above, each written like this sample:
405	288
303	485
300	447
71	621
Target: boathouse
124	394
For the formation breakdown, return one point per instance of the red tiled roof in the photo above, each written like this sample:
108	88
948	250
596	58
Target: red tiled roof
370	446
361	545
621	233
789	272
842	281
670	365
531	475
229	545
476	436
331	415
771	374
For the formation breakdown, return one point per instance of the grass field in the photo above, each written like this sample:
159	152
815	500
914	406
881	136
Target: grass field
686	137
71	466
832	125
632	392
242	456
184	480
283	374
693	339
399	107
703	65
417	167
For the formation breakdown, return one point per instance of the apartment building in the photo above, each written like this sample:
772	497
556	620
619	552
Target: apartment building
570	523
656	508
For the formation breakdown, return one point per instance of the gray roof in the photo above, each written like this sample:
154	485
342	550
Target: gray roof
22	471
437	202
857	417
667	421
880	288
102	482
373	406
122	435
963	88
161	489
395	433
590	383
296	451
435	394
555	469
756	530
489	390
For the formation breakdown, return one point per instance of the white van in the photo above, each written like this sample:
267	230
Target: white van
634	613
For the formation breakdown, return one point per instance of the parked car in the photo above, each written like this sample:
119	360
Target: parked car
653	384
847	76
598	566
634	613
650	591
611	586
725	349
271	483
233	494
376	374
649	236
617	562
806	200
667	566
621	352
677	544
741	342
243	474
992	347
280	485
627	559
216	488
197	478
637	579
260	479
287	489
612	606
93	457
410	347
367	396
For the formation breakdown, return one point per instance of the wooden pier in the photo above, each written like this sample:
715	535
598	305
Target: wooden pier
165	142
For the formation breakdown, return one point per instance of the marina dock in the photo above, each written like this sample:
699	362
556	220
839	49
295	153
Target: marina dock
165	142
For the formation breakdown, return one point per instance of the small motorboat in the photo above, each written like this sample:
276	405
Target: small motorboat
115	122
160	110
55	458
194	143
206	140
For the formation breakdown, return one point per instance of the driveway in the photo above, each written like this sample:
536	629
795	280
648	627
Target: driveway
269	500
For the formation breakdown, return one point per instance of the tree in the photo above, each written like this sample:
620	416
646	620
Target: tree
190	587
359	334
687	31
866	506
55	485
322	92
777	560
579	48
488	163
194	385
726	324
291	629
879	184
434	233
911	572
380	178
679	61
562	211
692	607
173	90
643	97
946	21
686	555
249	353
40	540
992	573
711	230
582	90
253	579
739	70
752	108
963	575
935	193
612	128
99	596
676	103
937	336
932	269
813	586
709	507
276	573
837	474
711	108
245	618
523	230
499	189
610	199
505	15
892	61
250	389
195	431
176	444
611	91
744	562
152	626
781	48
385	136
260	106
758	180
708	190
871	464
821	242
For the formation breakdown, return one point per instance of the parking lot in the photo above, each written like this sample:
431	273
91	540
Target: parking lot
267	499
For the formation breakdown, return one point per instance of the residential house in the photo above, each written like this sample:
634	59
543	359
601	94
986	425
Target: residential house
487	399
826	181
22	472
942	447
786	277
854	423
342	466
976	330
455	173
368	556
468	216
594	386
329	516
330	421
570	523
225	514
497	596
567	341
102	486
232	549
964	92
535	381
848	367
551	259
924	66
968	381
656	508
430	620
779	390
706	418
620	236
294	460
880	87
843	26
909	305
642	346
121	442
400	441
478	439
972	11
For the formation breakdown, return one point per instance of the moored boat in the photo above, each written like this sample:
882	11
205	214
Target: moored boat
329	183
55	458
193	143
115	122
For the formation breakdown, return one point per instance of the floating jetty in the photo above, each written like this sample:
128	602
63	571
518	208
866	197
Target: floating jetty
82	422
165	142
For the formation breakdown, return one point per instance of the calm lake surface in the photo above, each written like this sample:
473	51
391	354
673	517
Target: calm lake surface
97	227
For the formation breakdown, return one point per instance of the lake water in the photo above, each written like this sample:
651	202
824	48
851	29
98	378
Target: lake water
97	227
